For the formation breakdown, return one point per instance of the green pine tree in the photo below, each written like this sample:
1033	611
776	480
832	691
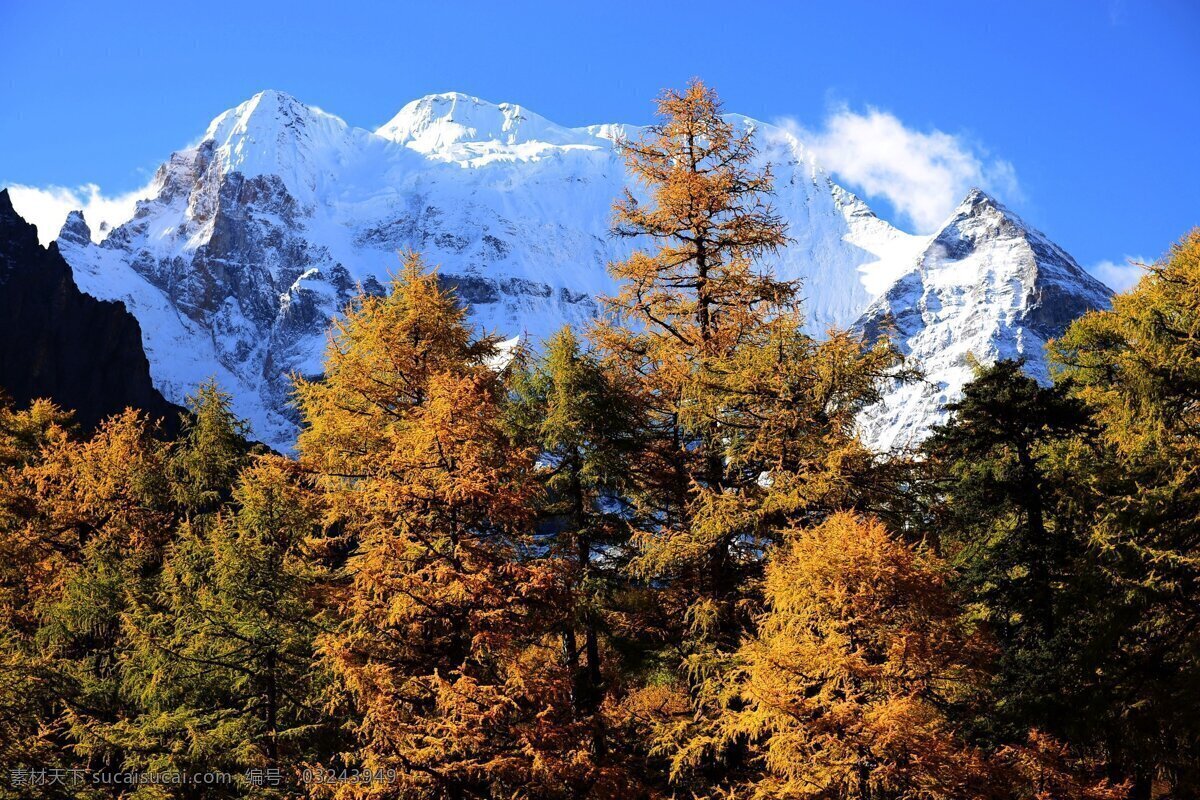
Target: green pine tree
221	661
586	424
1010	520
212	447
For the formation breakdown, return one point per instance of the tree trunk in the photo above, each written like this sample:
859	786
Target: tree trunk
272	711
1036	520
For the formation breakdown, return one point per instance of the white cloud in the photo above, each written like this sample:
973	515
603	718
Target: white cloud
924	175
47	207
1121	276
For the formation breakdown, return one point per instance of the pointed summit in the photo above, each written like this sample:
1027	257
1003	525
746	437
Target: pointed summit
75	230
978	218
986	287
981	221
265	112
273	133
978	197
14	229
440	121
978	203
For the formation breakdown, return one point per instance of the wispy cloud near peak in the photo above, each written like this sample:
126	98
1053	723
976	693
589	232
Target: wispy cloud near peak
47	207
1121	275
922	174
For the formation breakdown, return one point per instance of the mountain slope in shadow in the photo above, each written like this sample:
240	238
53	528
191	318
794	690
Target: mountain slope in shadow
57	342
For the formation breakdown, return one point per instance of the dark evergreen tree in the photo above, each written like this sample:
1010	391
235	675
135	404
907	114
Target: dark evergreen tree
1009	518
587	426
1137	366
222	662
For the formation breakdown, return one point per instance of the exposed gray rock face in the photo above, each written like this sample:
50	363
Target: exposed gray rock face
252	241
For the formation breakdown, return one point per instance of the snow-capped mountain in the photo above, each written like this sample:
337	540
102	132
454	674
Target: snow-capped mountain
250	241
985	287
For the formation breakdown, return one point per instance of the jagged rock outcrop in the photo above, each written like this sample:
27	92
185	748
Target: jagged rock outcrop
57	342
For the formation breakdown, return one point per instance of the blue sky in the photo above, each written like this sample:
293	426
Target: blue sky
1082	115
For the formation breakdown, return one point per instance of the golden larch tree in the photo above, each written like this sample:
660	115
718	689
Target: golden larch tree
850	687
448	649
750	418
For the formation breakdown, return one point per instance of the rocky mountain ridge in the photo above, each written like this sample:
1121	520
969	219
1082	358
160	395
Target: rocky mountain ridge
985	287
57	342
249	242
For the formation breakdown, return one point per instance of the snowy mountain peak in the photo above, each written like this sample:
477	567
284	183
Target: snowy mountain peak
272	133
986	287
268	113
981	221
441	121
978	197
253	240
979	216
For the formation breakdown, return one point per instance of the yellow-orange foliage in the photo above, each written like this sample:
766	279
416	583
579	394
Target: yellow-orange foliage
109	489
846	684
29	553
751	419
447	649
710	220
737	391
65	505
379	362
1138	364
846	690
30	565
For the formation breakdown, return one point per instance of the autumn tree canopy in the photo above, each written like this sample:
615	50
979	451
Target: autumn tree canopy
649	559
